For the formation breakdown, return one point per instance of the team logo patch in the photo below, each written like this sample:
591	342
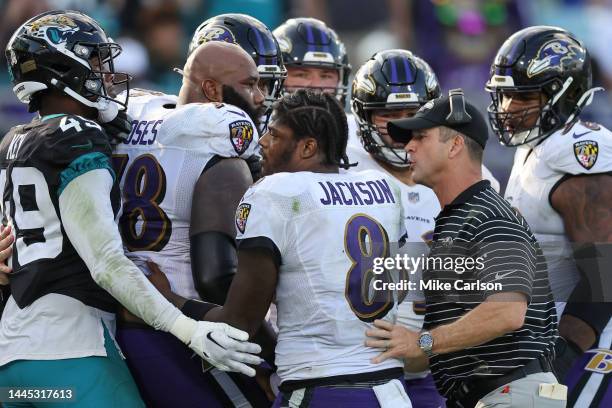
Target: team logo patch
413	197
242	214
601	362
551	56
586	153
241	135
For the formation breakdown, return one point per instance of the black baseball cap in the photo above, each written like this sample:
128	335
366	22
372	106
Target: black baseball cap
465	119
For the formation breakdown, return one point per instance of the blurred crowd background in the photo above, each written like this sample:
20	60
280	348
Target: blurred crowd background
458	38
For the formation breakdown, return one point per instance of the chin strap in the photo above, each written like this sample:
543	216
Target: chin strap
107	108
584	101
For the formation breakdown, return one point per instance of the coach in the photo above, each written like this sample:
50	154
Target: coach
490	325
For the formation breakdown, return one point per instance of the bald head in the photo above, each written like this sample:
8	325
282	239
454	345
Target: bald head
211	65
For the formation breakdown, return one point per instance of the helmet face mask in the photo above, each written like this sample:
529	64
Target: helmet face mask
521	125
257	40
69	51
309	43
542	60
374	144
390	80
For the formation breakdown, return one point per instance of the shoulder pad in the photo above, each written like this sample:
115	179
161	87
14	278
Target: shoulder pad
68	125
73	136
282	185
141	103
221	129
136	92
583	149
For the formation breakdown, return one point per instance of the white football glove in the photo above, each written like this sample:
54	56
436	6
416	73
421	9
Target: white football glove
222	345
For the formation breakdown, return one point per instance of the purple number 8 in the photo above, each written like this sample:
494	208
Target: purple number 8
364	240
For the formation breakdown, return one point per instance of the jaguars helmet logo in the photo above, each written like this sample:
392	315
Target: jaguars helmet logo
550	56
215	33
52	21
586	153
241	135
242	214
53	28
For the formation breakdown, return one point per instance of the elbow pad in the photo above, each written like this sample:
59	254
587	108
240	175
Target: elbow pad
213	264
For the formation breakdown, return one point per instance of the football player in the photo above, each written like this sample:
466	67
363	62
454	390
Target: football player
308	235
560	182
257	40
182	174
394	84
69	268
314	56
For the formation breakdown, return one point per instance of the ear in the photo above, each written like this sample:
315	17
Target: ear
212	90
308	147
457	145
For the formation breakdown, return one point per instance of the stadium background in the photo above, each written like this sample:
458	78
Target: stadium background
458	38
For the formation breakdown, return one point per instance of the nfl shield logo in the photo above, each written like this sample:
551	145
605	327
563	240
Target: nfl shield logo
241	135
413	197
242	213
586	153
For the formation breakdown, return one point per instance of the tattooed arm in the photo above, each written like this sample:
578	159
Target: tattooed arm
585	204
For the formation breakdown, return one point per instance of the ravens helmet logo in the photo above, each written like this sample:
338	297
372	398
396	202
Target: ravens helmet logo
551	56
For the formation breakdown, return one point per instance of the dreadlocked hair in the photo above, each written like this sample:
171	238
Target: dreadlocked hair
318	115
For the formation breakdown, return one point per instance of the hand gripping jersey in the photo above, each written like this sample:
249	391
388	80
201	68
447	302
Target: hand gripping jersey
37	161
325	230
584	149
158	167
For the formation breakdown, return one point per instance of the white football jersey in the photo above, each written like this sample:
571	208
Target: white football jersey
325	228
421	206
583	149
353	139
158	167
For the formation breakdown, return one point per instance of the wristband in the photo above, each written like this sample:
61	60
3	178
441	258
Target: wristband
196	309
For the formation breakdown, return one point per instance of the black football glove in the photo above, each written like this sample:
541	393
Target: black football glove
118	129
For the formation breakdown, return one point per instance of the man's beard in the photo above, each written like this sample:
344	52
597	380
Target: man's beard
283	160
230	96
